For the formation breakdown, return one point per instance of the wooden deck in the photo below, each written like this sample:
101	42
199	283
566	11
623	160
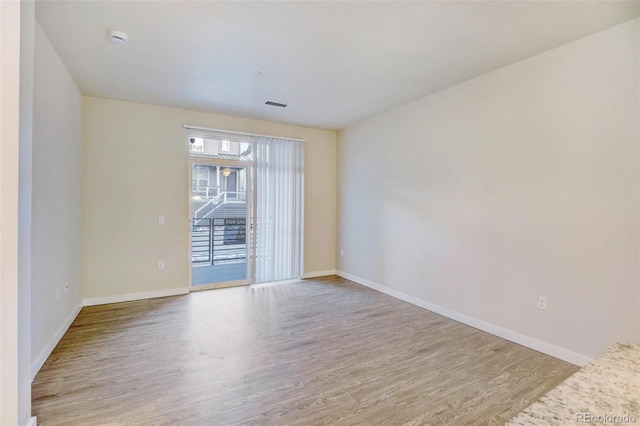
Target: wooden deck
325	351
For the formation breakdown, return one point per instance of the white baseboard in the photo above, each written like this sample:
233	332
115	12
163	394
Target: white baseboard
51	344
315	274
530	342
33	422
134	296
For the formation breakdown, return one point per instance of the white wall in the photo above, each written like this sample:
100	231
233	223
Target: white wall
16	111
25	183
135	169
9	135
56	256
518	183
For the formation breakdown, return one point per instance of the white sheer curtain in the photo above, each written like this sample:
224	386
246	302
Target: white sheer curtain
279	224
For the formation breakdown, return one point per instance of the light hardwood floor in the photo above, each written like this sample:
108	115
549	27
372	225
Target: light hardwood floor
325	351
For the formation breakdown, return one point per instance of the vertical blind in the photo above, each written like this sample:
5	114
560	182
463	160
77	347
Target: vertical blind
279	221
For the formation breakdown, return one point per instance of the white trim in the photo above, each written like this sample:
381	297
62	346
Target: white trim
215	161
222	284
315	274
249	167
206	129
530	342
37	364
135	296
231	284
290	281
33	421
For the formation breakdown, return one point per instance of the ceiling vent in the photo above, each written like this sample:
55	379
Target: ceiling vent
117	37
276	104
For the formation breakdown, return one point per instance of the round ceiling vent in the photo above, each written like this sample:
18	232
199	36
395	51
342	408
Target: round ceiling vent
118	37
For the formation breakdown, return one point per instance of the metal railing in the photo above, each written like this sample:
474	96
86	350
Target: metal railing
233	197
216	241
205	192
219	199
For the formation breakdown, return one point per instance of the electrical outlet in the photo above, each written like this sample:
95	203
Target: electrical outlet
542	303
160	220
66	287
161	264
341	252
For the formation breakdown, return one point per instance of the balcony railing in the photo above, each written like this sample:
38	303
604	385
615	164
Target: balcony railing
218	241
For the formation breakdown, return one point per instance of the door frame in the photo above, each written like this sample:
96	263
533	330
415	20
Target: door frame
250	215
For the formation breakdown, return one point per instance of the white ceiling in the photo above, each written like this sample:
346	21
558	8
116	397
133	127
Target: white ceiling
334	63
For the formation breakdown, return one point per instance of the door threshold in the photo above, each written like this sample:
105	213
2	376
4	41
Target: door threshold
225	284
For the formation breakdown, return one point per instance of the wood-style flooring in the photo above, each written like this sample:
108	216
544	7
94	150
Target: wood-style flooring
324	351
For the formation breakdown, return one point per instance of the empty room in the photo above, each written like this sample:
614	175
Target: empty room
319	213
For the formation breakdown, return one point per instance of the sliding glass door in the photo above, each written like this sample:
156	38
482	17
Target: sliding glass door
219	217
246	203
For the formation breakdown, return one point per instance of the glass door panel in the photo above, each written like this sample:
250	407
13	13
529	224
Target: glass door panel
219	213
